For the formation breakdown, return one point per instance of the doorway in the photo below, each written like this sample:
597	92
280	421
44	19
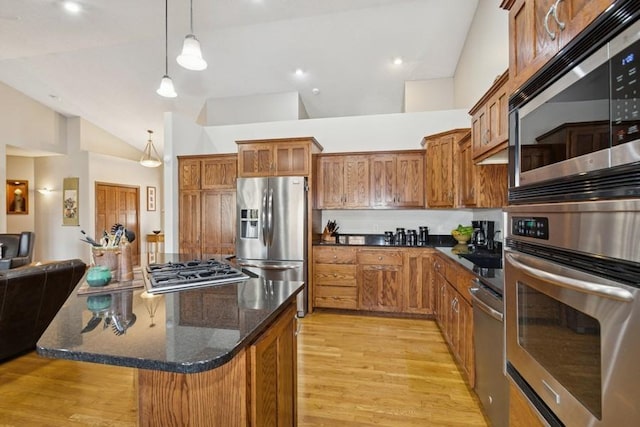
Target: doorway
118	204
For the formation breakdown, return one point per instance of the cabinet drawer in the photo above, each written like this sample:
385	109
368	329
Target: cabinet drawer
336	297
336	275
334	255
375	257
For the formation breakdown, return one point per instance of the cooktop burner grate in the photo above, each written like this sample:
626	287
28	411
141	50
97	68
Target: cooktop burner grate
171	276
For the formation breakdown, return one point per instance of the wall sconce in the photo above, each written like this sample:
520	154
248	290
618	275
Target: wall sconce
44	190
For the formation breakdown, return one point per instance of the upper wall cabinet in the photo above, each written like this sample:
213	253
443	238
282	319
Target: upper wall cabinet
538	29
397	180
490	120
208	172
440	174
342	182
276	157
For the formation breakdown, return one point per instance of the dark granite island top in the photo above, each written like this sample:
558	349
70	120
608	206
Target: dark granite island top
190	331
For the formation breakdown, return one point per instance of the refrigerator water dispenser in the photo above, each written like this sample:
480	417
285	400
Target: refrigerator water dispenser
249	223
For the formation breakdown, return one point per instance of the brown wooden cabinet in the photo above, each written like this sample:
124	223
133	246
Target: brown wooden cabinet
276	157
454	312
479	186
521	412
397	179
379	279
334	277
536	36
273	371
207	204
440	173
342	182
490	120
418	279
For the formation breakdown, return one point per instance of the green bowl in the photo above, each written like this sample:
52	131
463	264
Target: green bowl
99	275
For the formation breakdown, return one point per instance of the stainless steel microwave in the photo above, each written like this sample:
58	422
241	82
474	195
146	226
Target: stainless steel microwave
575	135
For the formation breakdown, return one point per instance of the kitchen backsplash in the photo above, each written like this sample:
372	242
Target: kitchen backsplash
379	221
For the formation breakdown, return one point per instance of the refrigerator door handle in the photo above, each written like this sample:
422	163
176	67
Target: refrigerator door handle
269	267
270	216
263	217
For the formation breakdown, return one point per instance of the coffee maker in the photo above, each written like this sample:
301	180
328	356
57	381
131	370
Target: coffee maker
483	232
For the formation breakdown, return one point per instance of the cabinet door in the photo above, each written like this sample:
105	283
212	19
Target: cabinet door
467	350
330	183
219	173
480	131
379	279
383	177
356	182
291	159
189	174
466	174
190	223
440	166
577	14
498	117
419	287
255	160
410	180
273	375
530	44
218	222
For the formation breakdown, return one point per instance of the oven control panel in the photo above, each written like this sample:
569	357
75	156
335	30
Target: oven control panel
536	227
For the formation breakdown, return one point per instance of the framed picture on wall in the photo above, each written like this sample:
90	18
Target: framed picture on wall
17	197
151	198
70	203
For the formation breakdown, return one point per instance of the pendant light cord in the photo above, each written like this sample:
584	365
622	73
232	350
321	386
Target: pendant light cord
191	18
166	37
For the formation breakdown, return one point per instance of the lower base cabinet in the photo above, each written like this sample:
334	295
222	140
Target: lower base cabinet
454	314
273	369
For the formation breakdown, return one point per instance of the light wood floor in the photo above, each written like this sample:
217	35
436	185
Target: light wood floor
353	371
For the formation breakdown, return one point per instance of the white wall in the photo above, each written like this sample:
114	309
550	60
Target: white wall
254	108
485	55
428	95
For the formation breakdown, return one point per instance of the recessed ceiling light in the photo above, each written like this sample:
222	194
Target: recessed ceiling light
315	91
299	72
397	60
71	7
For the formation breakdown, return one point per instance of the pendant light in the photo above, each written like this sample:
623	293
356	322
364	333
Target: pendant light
191	56
150	157
166	88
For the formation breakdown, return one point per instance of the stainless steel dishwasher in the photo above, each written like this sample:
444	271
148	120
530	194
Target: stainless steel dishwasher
488	332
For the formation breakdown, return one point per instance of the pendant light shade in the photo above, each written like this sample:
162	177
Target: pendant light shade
150	157
166	88
191	56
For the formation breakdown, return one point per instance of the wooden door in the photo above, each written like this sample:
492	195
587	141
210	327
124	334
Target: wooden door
418	280
189	220
255	159
577	14
383	177
410	180
441	187
466	174
330	183
118	204
379	288
219	172
356	182
291	159
189	174
218	218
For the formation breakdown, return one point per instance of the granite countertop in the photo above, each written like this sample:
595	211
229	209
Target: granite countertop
186	332
493	277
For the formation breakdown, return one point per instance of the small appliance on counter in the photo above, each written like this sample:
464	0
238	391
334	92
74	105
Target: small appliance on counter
483	232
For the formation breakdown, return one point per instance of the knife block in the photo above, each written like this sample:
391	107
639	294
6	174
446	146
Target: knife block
327	236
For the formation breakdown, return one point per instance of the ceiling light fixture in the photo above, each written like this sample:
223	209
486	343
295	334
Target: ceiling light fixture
166	88
191	56
397	61
150	158
71	7
299	72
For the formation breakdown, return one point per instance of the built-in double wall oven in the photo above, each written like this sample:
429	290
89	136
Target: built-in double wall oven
572	229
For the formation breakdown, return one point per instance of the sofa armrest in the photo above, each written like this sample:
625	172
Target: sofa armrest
5	264
19	261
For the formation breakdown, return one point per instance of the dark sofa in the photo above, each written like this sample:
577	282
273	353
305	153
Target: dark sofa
17	249
30	297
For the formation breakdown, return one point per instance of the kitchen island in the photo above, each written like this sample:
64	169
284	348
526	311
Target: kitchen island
216	355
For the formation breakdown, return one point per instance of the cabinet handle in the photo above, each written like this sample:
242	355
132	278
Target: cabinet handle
561	25
298	325
552	35
335	257
380	258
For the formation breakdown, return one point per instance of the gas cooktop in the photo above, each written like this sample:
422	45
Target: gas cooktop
173	276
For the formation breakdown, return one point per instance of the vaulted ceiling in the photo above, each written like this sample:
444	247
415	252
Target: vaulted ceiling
105	63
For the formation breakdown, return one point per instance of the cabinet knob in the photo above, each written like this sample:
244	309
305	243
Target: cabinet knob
335	257
380	258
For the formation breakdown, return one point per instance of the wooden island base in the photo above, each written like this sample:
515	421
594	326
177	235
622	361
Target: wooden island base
257	385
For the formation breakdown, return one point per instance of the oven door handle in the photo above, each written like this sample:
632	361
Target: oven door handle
483	305
605	291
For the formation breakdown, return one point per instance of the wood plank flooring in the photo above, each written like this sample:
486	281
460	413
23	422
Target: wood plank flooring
353	371
376	371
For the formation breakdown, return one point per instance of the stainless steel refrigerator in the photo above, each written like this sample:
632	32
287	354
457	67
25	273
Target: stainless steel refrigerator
272	229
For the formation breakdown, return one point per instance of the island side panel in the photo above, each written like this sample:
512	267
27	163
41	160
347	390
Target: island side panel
217	396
